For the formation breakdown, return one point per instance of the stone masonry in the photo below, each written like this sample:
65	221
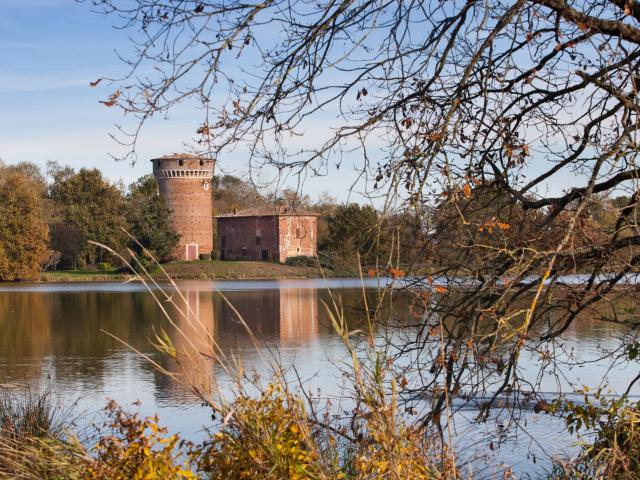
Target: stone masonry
267	233
185	182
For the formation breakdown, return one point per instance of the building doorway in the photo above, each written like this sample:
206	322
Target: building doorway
264	255
192	251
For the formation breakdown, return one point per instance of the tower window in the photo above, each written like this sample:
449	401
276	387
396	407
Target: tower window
201	162
181	162
258	240
298	233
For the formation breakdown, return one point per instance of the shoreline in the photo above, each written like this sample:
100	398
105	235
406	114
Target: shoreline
196	270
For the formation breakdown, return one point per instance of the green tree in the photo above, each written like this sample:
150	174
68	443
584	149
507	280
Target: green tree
23	228
148	219
352	228
88	207
231	192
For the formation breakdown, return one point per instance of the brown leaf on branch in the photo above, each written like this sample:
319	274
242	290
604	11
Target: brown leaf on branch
492	224
112	100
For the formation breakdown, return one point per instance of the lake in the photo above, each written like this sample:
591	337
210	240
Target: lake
56	332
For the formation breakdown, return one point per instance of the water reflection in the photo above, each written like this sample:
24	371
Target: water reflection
63	334
50	330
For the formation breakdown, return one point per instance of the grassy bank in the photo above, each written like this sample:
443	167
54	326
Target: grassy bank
200	270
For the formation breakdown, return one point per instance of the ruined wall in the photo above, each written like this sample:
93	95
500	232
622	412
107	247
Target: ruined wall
298	236
237	238
185	184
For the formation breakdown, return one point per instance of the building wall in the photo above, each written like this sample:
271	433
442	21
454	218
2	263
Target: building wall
186	189
282	237
237	238
298	236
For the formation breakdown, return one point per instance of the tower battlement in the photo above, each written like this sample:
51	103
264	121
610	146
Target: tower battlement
185	183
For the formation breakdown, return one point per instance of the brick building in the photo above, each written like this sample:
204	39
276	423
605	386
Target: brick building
185	181
267	233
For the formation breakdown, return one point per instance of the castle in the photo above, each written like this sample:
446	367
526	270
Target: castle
261	233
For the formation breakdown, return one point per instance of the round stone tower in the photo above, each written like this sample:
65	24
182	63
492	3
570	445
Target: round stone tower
185	183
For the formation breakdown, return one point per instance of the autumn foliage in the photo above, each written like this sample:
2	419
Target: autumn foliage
24	233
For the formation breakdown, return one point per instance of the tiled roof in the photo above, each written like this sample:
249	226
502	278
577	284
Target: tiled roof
269	211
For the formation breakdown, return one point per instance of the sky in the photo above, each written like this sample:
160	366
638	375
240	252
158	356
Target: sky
50	50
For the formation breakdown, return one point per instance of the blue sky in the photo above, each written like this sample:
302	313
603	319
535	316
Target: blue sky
49	51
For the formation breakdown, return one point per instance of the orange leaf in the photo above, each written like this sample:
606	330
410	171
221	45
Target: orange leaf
466	191
395	273
371	273
440	289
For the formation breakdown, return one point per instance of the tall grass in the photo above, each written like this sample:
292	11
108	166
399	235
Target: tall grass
29	411
37	437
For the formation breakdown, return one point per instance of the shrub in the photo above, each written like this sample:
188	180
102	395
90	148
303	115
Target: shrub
104	266
615	451
302	261
267	437
205	256
138	448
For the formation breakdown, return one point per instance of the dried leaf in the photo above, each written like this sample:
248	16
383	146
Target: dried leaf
395	273
112	100
582	26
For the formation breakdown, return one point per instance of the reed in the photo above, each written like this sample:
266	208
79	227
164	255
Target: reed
37	439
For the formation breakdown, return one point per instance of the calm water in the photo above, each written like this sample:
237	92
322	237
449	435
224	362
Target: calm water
57	331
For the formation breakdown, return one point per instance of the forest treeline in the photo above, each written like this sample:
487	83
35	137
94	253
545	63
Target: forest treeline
49	221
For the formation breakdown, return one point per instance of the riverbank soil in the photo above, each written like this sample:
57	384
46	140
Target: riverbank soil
198	270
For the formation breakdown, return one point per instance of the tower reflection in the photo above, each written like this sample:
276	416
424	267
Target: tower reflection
205	321
192	335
